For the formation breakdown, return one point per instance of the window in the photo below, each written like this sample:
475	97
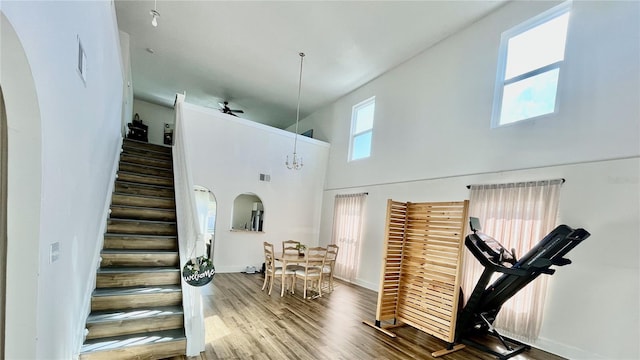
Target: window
529	63
361	129
518	215
348	216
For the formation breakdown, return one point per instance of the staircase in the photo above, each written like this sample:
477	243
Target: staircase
136	308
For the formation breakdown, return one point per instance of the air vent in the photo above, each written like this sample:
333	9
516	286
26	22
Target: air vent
265	177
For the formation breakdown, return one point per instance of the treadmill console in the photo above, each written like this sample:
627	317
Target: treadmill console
493	249
490	247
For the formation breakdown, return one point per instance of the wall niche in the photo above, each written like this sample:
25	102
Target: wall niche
248	213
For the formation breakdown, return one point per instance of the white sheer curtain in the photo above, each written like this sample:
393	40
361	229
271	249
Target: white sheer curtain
347	228
518	215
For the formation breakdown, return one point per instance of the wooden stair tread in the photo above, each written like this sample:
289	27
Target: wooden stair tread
143	202
141	159
139	251
104	316
146	166
150	197
141	221
153	153
165	149
142	208
145	175
145	236
129	269
145	170
143	242
151	149
137	290
117	342
150	186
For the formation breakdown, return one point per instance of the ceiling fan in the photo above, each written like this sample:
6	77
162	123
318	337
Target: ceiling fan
224	108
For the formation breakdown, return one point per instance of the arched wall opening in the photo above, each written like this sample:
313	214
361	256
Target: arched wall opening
206	206
24	177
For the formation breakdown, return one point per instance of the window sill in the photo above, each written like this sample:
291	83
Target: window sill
246	231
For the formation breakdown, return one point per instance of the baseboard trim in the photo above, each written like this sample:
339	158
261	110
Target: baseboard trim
565	350
232	269
366	285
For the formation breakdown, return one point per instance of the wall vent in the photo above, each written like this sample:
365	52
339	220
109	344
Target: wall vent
265	177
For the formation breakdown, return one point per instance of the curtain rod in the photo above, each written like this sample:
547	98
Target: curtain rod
360	193
563	181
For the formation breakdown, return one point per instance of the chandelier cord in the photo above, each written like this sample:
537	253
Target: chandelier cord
295	140
296	162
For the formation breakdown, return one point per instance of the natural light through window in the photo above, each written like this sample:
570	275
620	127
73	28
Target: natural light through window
362	129
529	67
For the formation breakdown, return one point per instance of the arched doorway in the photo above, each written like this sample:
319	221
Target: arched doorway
23	174
206	207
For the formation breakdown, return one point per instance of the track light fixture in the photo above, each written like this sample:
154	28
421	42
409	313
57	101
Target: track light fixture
155	14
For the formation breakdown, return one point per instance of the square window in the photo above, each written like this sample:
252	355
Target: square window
361	146
529	63
529	97
361	129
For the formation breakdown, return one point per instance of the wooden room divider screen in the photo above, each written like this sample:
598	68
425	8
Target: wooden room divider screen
422	261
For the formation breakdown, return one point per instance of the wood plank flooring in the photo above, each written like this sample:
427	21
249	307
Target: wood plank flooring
243	322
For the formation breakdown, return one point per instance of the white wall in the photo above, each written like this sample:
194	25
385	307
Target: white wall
227	155
432	137
154	116
127	83
78	134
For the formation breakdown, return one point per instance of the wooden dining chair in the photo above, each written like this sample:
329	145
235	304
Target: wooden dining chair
330	264
311	271
290	247
271	271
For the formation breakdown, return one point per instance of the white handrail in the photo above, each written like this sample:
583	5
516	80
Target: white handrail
190	236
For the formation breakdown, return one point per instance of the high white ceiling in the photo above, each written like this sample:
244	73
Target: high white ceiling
246	52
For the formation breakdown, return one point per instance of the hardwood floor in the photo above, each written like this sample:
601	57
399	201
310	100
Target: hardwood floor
243	322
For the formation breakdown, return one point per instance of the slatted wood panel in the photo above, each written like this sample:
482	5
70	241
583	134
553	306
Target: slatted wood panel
421	276
392	258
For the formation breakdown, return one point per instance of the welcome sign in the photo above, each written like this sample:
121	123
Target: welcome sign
198	271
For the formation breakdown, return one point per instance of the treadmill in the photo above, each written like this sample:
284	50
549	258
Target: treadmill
480	311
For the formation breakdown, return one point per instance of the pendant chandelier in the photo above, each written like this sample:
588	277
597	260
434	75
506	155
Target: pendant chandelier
296	162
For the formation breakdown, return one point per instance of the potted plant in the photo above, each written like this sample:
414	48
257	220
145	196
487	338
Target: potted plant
301	248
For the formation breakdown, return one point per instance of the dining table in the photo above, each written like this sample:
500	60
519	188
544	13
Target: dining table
289	259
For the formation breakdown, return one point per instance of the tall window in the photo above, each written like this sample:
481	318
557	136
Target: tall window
518	215
529	62
362	129
348	215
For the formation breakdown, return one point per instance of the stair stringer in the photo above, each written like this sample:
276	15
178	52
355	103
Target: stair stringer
90	283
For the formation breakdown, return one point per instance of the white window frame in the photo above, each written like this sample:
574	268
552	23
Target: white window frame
353	134
542	18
